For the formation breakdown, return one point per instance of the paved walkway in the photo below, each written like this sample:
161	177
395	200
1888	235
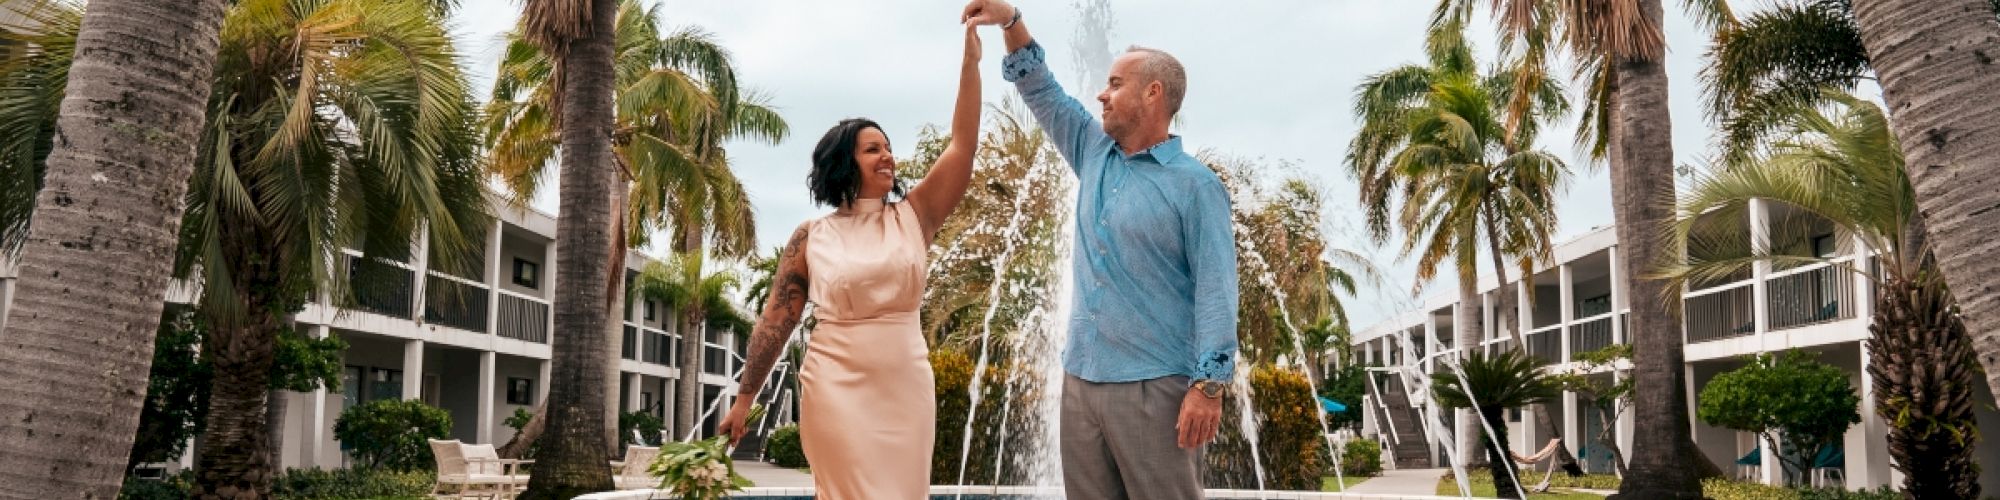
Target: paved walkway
772	476
1402	482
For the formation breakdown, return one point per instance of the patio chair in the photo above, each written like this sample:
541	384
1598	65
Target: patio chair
1829	468
484	459
1749	466
631	472
456	477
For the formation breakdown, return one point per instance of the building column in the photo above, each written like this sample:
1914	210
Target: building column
633	384
1760	243
542	383
1624	423
420	267
316	434
413	370
484	419
493	279
1617	297
1867	444
1566	292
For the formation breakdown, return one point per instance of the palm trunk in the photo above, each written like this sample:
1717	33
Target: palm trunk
687	388
1924	373
1505	323
237	462
1665	462
96	262
1467	332
1498	463
571	457
1936	64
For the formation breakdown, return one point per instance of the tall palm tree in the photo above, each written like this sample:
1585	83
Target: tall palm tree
1491	384
92	269
685	283
1845	169
678	101
355	139
1931	59
1435	136
579	38
1619	47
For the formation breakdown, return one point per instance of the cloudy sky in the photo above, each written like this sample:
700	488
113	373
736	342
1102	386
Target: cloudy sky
1268	79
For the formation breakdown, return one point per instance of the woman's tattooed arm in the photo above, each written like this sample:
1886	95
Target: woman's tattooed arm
787	301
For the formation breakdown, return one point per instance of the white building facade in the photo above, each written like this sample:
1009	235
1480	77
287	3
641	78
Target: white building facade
479	346
1577	303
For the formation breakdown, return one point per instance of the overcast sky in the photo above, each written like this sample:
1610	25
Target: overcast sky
1268	79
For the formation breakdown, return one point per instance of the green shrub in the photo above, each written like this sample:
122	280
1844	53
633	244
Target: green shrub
952	371
648	426
1289	435
350	484
519	419
174	487
1723	489
784	449
391	434
1361	458
1880	493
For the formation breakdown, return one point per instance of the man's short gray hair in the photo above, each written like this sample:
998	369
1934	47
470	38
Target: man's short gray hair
1158	65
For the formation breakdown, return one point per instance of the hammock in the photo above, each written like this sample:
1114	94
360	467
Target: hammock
1540	457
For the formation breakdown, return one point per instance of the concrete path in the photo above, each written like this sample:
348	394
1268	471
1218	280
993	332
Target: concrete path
1402	482
772	476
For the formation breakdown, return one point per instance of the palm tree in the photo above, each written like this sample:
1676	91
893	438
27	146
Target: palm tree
578	36
92	270
1845	169
1930	58
1491	384
683	284
1436	137
356	139
764	272
1618	47
677	102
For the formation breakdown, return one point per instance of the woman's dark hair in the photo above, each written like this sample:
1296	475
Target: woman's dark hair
836	179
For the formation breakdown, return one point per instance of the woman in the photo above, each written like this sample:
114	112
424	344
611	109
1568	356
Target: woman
866	406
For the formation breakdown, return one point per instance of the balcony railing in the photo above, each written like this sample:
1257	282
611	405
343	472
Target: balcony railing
628	348
715	359
454	303
1546	344
523	318
380	287
1720	312
1801	297
1590	335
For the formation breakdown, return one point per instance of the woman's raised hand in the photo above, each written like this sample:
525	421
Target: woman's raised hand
972	45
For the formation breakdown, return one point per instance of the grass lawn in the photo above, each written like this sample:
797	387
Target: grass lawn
1327	484
1482	486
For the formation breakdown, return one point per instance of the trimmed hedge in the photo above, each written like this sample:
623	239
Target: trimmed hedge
1361	458
784	450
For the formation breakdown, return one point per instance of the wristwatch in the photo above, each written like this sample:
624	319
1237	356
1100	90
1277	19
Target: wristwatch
1011	21
1211	388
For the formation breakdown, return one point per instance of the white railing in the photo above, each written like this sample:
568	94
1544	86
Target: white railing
1810	294
1720	312
523	318
1545	344
1589	334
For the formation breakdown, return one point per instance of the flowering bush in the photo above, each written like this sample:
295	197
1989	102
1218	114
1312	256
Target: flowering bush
698	470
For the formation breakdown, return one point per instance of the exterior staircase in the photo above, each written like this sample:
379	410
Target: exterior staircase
1412	448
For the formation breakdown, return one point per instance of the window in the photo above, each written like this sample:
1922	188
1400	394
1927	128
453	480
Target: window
526	273
351	386
1593	306
1513	414
649	310
520	391
384	383
1823	246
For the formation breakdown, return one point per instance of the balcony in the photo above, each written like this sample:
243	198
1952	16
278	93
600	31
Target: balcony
522	318
1589	334
1810	295
628	348
1546	344
715	359
662	349
381	287
455	303
1721	312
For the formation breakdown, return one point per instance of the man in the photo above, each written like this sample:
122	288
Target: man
1152	343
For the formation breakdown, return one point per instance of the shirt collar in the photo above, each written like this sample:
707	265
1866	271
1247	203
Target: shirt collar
1164	152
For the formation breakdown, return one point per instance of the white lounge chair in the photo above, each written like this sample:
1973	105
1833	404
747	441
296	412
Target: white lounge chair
630	473
458	477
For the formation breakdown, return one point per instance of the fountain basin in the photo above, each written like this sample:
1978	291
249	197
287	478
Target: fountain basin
1007	493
